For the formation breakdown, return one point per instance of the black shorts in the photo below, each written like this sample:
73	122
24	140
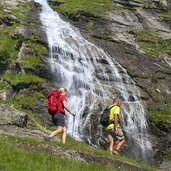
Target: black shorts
58	119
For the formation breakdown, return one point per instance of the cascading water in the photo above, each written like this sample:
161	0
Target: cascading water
92	77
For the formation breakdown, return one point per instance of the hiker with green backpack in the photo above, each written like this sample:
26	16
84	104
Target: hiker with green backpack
110	120
57	105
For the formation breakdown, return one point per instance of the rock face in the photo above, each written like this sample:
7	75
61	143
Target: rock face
116	34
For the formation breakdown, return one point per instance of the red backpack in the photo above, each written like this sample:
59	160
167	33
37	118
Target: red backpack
53	100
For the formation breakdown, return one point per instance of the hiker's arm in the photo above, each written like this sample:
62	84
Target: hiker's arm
67	108
116	123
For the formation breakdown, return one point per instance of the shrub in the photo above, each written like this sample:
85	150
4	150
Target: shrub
4	60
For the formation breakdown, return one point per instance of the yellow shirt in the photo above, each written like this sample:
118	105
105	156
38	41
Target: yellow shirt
113	111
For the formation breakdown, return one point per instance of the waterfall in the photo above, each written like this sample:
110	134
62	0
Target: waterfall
92	78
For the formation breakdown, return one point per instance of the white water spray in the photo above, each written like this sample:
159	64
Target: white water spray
92	77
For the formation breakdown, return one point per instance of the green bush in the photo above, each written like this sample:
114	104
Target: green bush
4	60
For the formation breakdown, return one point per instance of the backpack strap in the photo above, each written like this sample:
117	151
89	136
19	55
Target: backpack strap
110	107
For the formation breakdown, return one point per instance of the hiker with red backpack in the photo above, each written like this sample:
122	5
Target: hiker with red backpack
57	105
110	120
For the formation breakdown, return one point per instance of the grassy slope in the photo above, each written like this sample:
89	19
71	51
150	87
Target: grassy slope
14	157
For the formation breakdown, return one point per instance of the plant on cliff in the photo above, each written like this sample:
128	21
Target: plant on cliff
151	43
3	85
96	8
30	61
162	115
23	78
4	60
165	14
8	45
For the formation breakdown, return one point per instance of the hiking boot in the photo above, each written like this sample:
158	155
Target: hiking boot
116	151
47	138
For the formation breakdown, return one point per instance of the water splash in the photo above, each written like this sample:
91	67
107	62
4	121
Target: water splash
92	77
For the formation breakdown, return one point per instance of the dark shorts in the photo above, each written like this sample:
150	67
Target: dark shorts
58	119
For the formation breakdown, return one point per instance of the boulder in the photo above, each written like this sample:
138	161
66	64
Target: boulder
11	116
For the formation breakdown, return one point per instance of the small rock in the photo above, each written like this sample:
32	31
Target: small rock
3	95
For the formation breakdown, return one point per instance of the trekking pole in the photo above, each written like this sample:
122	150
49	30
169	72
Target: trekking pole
73	127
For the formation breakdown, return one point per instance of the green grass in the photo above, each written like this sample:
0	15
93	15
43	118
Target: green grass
23	78
97	8
13	158
7	44
166	153
41	157
35	47
3	85
162	115
30	61
165	14
151	43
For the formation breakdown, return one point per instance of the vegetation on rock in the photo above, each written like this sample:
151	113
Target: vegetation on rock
152	43
4	60
96	8
165	14
161	115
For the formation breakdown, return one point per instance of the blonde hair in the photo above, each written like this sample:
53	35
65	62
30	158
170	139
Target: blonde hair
62	90
117	100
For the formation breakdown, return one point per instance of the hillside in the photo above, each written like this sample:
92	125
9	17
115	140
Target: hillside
137	34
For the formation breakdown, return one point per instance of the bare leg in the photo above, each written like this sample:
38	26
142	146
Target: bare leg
57	131
64	135
120	144
111	144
